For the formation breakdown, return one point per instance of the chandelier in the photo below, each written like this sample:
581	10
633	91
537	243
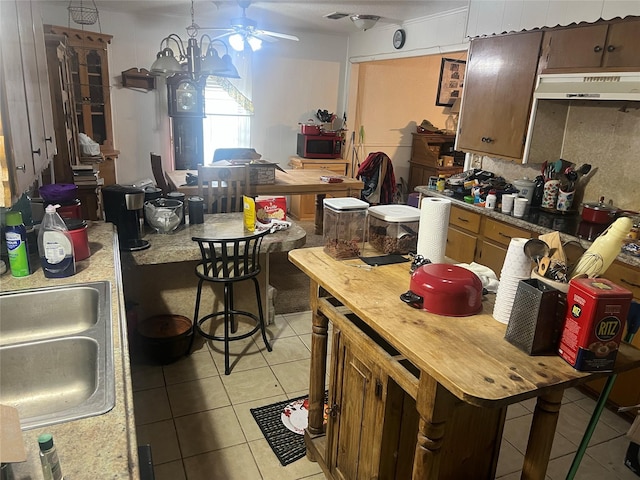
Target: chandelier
193	58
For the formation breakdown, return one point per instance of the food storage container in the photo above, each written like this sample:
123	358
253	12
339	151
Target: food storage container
393	229
344	222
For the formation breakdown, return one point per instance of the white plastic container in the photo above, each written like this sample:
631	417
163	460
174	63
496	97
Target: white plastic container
344	222
393	229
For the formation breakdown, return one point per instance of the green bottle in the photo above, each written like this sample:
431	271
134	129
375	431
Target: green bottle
16	235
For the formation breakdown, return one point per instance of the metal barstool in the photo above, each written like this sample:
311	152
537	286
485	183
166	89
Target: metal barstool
228	261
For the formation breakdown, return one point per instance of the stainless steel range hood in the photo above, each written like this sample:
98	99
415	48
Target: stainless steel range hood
589	86
557	95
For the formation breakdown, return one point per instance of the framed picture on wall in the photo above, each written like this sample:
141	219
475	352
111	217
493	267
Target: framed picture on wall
451	81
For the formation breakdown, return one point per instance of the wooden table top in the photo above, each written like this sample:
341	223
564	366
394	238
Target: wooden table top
467	355
177	246
291	182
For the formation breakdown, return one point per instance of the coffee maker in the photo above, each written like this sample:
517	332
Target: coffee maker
123	207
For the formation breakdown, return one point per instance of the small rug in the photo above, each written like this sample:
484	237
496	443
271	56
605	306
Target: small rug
287	445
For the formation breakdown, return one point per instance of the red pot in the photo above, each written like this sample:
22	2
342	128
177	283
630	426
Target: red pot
309	129
445	289
601	213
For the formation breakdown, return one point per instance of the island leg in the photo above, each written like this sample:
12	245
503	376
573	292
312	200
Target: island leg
435	405
319	219
543	428
318	368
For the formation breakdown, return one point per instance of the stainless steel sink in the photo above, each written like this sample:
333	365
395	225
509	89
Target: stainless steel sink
56	353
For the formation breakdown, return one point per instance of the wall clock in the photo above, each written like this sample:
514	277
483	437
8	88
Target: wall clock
399	36
186	97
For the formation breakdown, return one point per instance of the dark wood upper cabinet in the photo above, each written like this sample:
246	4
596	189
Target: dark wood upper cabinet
498	89
606	46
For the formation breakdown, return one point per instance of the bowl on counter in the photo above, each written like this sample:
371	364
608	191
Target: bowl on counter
163	214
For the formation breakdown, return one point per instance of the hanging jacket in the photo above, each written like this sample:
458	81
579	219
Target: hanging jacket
376	172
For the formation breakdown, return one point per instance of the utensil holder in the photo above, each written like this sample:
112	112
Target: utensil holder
536	318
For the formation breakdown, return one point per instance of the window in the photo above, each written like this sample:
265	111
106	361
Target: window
228	117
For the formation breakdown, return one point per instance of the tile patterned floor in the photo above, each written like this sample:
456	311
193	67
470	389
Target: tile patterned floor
198	423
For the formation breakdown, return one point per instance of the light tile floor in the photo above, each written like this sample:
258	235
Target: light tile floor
198	422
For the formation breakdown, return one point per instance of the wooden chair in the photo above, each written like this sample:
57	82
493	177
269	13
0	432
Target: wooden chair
222	187
158	173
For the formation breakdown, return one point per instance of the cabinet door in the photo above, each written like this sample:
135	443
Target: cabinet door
491	255
622	45
360	417
580	47
498	90
502	233
461	246
16	157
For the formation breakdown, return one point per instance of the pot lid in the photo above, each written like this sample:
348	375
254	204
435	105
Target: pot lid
600	206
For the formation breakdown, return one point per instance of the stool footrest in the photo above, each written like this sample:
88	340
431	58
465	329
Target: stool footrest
231	313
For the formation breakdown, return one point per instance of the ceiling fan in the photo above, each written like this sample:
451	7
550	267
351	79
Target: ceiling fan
361	21
244	31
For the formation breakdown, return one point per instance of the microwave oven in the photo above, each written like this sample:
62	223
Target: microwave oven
319	146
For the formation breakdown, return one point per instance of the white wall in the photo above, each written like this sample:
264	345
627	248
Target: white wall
291	80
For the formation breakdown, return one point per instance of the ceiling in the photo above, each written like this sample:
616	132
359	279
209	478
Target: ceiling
284	16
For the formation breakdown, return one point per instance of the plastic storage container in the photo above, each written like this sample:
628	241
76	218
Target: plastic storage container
344	224
393	229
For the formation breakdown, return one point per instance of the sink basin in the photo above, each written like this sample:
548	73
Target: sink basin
56	353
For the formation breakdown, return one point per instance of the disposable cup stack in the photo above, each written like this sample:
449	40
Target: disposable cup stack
516	267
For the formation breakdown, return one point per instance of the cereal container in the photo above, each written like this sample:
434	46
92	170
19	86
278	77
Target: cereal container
393	229
344	226
594	323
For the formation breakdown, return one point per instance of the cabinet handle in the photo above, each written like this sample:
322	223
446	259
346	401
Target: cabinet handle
487	139
333	410
630	283
378	388
36	152
597	48
504	235
48	139
463	220
22	167
610	48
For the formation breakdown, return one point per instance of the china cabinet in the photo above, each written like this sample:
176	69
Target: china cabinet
89	67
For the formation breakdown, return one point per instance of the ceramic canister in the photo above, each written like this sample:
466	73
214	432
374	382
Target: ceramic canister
550	194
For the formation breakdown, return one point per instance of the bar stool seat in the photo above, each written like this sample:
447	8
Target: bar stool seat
228	261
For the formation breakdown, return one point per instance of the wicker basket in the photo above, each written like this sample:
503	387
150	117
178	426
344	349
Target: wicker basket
83	15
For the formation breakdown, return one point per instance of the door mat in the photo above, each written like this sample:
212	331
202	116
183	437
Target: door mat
287	445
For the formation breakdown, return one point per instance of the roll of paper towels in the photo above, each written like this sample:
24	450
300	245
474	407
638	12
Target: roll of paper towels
433	227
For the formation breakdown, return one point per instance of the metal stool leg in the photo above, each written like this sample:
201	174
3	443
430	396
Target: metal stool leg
194	327
228	317
261	314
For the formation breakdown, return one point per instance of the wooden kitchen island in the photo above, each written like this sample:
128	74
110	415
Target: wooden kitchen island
418	395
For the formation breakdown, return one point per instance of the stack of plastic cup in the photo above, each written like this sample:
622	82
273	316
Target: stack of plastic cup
516	267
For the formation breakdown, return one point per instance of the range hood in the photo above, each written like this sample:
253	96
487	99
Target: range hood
588	86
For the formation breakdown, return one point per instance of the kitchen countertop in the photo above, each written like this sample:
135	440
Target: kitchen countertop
102	446
535	221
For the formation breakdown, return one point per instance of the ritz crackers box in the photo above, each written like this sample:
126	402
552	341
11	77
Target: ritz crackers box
594	323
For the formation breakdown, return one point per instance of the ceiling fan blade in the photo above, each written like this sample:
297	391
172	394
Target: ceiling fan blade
286	36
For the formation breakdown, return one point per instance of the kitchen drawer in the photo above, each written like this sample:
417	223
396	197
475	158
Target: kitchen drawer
465	219
502	233
626	276
461	246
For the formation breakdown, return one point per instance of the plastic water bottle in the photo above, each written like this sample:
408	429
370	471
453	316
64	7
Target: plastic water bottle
49	458
55	246
16	235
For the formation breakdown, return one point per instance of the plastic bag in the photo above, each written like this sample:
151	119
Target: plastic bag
88	147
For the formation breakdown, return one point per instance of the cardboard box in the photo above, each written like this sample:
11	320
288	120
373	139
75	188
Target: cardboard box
594	323
269	208
447	160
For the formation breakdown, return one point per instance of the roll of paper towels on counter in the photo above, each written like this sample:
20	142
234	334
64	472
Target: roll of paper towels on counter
433	227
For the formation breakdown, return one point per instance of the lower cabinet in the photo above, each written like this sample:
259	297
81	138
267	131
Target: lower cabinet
496	236
373	427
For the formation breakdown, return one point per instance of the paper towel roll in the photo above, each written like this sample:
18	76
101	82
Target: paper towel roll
433	227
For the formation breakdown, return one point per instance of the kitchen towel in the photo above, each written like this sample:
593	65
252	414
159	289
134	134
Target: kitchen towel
433	227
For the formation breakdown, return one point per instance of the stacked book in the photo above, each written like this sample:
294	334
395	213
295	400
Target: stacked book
86	175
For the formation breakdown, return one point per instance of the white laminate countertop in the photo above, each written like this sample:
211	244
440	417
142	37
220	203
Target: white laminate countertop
103	446
532	227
